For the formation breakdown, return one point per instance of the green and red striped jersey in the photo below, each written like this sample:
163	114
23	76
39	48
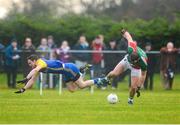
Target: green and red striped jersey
142	63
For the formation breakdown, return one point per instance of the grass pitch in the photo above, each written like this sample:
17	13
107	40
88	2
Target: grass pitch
81	107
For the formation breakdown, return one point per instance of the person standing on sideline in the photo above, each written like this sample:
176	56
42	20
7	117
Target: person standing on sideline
150	68
111	59
11	63
27	50
81	59
62	53
168	64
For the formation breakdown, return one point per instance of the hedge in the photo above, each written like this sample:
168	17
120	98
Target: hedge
70	27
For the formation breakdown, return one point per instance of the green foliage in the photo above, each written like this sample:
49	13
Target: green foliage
70	27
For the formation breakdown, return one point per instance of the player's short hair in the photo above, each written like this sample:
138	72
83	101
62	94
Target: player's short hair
134	57
33	57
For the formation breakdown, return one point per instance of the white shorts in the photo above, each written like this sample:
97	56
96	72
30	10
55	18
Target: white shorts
127	65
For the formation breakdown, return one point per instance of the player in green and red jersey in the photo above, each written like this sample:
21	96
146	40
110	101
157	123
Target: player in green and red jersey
136	61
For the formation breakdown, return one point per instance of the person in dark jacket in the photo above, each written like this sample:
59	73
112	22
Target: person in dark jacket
1	55
81	59
111	59
97	56
150	68
11	61
27	50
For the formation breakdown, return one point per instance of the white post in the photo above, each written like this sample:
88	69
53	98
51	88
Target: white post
51	80
60	84
92	76
51	75
41	83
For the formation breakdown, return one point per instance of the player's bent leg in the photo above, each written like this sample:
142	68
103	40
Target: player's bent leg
98	81
122	66
83	84
116	71
72	87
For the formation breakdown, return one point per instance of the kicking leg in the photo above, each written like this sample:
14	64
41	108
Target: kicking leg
83	84
116	71
122	66
98	81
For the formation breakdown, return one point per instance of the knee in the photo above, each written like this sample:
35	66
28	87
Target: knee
133	86
81	86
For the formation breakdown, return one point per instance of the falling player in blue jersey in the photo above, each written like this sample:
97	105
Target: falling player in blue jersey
71	73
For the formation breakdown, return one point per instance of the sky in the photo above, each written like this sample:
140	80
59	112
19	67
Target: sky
6	5
75	5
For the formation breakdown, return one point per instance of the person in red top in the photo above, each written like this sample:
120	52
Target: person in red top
97	57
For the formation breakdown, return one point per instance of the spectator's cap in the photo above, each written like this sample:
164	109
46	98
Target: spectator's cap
148	44
14	40
50	37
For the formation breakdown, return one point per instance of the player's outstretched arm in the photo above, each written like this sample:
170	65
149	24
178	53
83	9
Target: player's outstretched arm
126	35
34	72
29	84
30	79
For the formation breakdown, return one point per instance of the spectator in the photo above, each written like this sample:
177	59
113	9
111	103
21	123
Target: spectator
62	52
97	57
11	62
27	49
81	58
44	53
44	49
123	46
1	55
109	64
168	64
51	43
52	46
1	46
150	68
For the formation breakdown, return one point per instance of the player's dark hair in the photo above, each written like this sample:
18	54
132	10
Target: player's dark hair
134	57
33	57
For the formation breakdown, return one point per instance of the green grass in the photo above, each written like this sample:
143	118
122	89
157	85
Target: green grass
158	106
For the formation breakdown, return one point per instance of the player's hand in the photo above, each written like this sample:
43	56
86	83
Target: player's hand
123	31
20	91
165	75
22	81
